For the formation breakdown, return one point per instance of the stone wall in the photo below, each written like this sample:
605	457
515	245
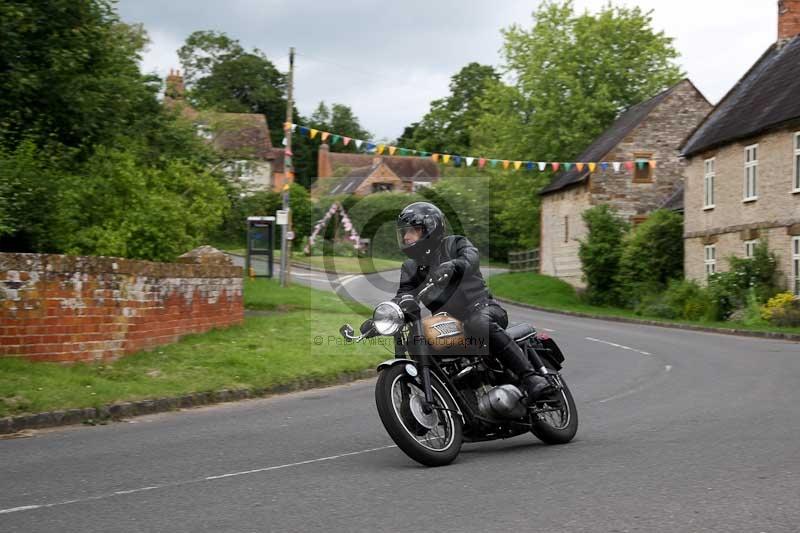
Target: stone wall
64	308
562	228
774	215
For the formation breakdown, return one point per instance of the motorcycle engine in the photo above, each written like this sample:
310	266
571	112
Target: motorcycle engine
504	402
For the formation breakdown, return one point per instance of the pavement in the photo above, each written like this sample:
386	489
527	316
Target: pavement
679	431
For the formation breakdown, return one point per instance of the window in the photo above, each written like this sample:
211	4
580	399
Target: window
638	219
382	187
751	173
796	265
797	162
642	171
750	248
711	260
708	184
566	229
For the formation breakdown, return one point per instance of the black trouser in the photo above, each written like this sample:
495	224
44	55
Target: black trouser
486	324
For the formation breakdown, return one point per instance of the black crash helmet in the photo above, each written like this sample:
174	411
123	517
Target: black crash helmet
430	220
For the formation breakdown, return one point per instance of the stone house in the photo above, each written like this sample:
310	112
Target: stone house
743	172
363	174
242	138
649	131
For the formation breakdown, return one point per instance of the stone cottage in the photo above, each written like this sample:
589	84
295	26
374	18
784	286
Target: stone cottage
362	174
243	139
651	130
743	173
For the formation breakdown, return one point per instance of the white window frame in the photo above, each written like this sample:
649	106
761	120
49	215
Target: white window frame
750	248
796	265
708	183
750	191
710	259
796	174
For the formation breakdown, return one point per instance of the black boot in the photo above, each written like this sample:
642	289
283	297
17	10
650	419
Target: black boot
535	387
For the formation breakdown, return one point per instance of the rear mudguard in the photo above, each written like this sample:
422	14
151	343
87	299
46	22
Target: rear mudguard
391	362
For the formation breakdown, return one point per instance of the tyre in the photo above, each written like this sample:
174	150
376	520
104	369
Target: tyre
432	439
556	420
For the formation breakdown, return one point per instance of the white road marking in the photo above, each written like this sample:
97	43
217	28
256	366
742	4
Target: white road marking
191	481
615	345
548	330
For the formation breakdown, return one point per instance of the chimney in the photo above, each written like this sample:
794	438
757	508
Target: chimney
175	88
324	169
788	19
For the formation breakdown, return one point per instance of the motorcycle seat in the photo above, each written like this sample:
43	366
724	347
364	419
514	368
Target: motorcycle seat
520	332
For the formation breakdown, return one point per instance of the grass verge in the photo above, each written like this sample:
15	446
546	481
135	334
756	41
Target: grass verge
341	265
278	347
552	293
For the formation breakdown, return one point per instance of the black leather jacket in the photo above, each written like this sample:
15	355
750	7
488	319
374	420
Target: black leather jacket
467	287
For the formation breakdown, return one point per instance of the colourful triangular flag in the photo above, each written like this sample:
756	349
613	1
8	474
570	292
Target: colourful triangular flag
592	166
493	162
294	127
403	151
314	133
380	149
469	160
481	162
423	154
529	165
287	125
517	164
505	164
579	166
629	165
325	136
640	164
555	166
303	130
392	150
358	143
457	160
616	165
567	166
652	163
542	166
335	139
604	165
446	158
435	157
346	140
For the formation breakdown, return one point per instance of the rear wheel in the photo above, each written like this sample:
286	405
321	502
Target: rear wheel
433	438
555	418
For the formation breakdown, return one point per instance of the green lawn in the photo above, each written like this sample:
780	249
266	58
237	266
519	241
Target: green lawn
552	293
277	347
342	265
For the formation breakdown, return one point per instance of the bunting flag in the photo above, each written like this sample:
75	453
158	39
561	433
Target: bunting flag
467	161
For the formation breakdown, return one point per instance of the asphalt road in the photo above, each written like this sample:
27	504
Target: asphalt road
680	431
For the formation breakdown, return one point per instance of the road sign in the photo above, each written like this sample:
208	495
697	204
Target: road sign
283	217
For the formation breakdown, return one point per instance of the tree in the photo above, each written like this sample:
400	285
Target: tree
572	76
446	127
70	73
600	253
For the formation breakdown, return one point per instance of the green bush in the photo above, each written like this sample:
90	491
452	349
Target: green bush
782	310
687	299
652	255
600	254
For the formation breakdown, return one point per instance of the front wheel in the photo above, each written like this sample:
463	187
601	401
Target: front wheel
555	419
434	438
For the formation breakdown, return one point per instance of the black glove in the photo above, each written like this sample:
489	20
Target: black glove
443	274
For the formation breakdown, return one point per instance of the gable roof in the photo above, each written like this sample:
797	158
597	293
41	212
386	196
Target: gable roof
606	142
403	166
767	96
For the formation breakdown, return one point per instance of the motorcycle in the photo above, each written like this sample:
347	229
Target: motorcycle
441	391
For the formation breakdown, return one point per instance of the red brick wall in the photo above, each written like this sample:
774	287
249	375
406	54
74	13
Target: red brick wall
788	19
62	308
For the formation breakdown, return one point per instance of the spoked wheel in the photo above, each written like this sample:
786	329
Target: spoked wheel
429	436
555	418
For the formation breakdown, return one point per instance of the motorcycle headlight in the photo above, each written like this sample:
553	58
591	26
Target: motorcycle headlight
388	318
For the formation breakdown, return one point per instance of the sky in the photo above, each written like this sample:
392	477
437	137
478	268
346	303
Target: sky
388	60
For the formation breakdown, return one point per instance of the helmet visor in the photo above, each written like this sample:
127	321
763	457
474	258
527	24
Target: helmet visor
408	235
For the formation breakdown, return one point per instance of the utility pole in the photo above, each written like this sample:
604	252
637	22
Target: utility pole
289	173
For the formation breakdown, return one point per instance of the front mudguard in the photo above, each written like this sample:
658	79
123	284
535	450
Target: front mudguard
400	361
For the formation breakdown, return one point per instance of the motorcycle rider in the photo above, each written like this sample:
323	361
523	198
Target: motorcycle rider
452	264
